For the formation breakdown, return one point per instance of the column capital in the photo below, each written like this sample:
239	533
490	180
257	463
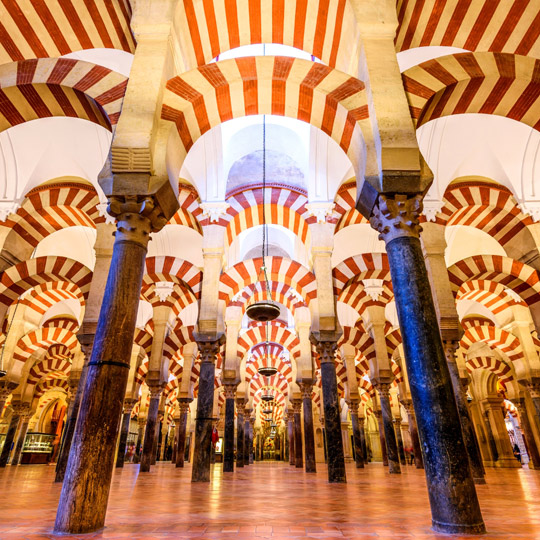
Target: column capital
183	404
450	347
6	389
397	216
129	403
209	347
155	388
20	408
306	388
383	387
353	405
240	406
290	415
325	349
534	389
230	390
86	341
397	421
297	406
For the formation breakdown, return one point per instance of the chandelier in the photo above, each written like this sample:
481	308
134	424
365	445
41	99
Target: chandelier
267	369
265	310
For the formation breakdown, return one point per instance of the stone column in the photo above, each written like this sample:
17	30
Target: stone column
357	436
534	392
532	449
228	446
298	454
363	438
18	411
76	386
239	433
413	431
164	439
141	423
290	433
183	406
247	449
124	432
6	388
332	419
378	415
388	427
399	437
309	435
85	492
150	434
453	500
467	427
251	451
205	406
23	429
175	438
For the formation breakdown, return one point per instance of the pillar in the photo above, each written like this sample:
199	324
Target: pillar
183	406
378	415
452	495
85	491
298	454
124	432
240	433
534	392
23	429
388	427
18	411
164	439
228	446
399	437
413	431
467	427
532	449
6	388
150	433
332	419
357	437
251	451
247	449
309	435
141	424
290	433
205	406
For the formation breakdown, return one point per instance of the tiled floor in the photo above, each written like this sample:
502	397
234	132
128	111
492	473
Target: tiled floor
267	500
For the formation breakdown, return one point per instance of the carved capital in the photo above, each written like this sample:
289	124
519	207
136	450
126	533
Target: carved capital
128	405
209	349
183	405
384	389
326	350
378	414
229	390
155	388
297	406
353	406
397	421
397	216
87	343
307	388
240	406
290	415
534	390
20	408
450	347
6	388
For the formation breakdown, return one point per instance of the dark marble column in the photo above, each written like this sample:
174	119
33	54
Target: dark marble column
228	447
18	411
363	439
141	423
357	436
332	419
532	449
388	427
413	431
205	409
21	436
251	451
124	432
85	492
152	426
76	385
467	427
240	439
378	415
247	450
290	433
309	435
534	392
183	405
452	495
298	454
399	438
175	440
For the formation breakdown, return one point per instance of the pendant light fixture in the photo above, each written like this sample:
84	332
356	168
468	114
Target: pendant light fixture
267	369
265	310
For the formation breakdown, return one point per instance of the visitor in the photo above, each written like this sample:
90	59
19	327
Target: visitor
517	453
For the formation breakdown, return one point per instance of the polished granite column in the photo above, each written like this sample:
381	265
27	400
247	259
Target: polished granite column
298	455
247	450
141	424
152	426
240	433
251	450
532	449
357	435
534	392
205	407
183	408
467	427
124	432
413	431
388	427
21	435
332	419
453	500
290	433
382	438
18	411
309	436
228	446
399	440
85	491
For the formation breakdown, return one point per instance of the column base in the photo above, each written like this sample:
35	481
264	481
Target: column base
452	528
507	463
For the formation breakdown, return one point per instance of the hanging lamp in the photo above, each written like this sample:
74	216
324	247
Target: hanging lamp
265	310
267	369
267	397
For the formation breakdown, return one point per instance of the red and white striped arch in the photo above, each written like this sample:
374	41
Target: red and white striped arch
281	292
488	207
177	339
276	334
179	298
490	294
284	368
28	274
500	368
359	267
68	323
328	99
484	25
513	274
355	296
54	28
174	270
42	297
46	87
393	341
189	214
279	269
496	338
345	207
144	337
59	385
485	83
47	366
277	382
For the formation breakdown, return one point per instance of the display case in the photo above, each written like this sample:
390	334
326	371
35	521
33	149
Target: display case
37	448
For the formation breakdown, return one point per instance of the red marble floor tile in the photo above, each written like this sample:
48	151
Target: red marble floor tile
267	500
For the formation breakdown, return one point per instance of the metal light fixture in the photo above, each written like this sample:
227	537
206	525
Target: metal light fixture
267	397
267	411
267	369
265	310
